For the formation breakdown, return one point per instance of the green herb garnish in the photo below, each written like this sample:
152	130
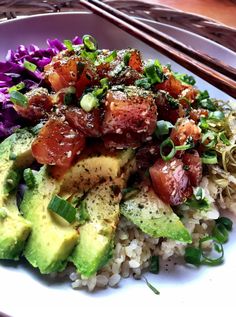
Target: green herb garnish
167	145
154	72
228	223
163	127
19	99
209	157
30	66
63	208
90	43
89	102
154	264
17	87
68	44
153	288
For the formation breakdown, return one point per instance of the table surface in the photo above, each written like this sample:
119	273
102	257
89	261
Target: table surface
223	11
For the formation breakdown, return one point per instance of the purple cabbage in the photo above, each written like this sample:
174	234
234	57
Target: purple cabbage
12	72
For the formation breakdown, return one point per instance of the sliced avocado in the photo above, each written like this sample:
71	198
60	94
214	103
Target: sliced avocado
88	172
96	236
15	155
147	211
14	230
52	238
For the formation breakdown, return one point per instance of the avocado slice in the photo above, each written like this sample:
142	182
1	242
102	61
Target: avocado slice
97	235
52	238
15	155
90	171
147	211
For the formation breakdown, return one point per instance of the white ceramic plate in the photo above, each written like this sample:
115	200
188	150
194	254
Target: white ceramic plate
184	291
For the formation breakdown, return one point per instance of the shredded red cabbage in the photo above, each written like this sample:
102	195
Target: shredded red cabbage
12	72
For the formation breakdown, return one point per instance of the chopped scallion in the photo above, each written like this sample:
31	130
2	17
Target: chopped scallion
89	102
209	139
228	223
224	138
19	86
162	127
220	233
212	260
168	144
216	115
209	157
90	43
30	66
68	44
154	72
110	58
143	83
193	256
63	208
127	58
18	98
154	265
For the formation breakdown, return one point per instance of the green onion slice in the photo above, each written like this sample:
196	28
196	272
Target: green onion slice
64	209
127	58
30	66
154	72
228	223
212	260
224	138
193	256
203	123
211	137
154	264
168	143
68	44
29	178
89	102
209	157
110	58
216	115
90	43
183	147
162	127
220	233
18	98
143	83
19	86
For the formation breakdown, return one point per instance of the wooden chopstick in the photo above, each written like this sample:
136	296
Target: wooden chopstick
197	55
130	25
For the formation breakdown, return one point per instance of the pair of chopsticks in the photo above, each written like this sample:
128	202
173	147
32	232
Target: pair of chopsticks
213	71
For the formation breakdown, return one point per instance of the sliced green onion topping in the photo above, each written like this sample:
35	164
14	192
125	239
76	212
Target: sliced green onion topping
64	209
110	58
199	193
154	264
152	288
220	233
163	127
167	144
143	83
204	101
224	138
154	72
90	43
19	99
209	157
19	86
193	256
228	223
89	102
29	178
216	115
183	147
68	44
30	66
185	78
203	123
174	103
212	260
127	58
209	139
